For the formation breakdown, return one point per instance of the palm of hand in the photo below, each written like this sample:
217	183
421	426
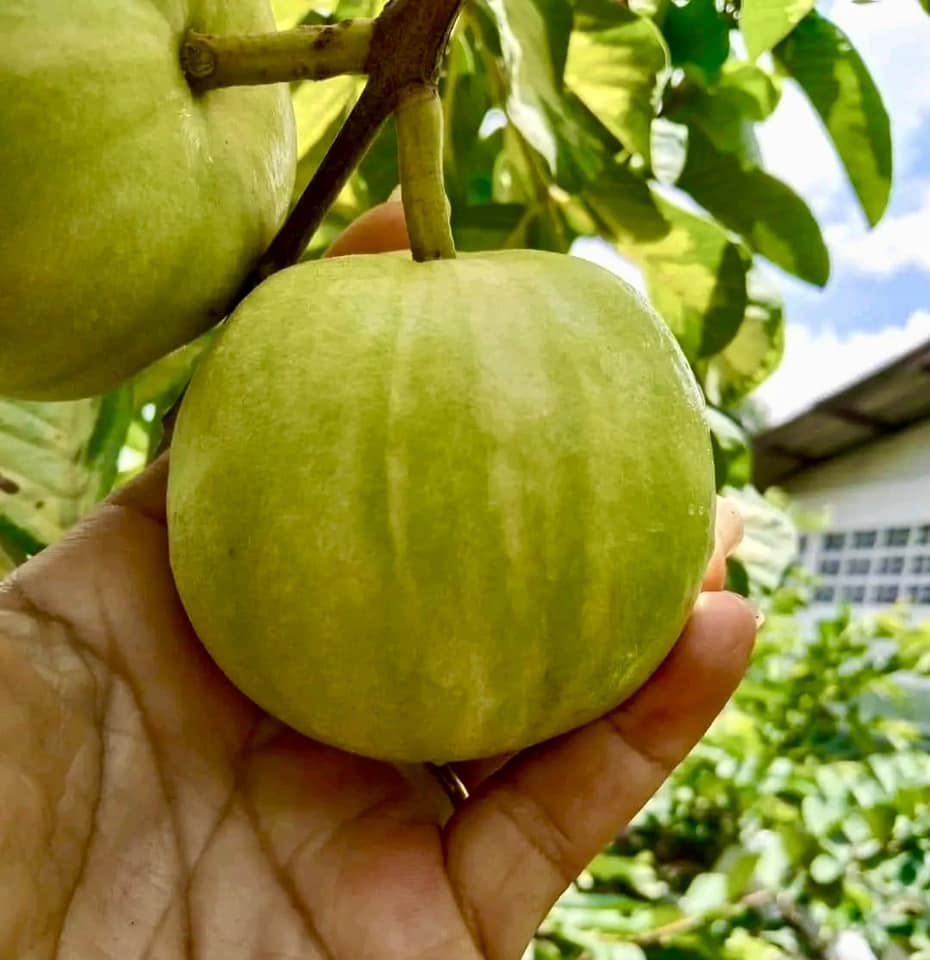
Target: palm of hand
186	823
200	827
148	810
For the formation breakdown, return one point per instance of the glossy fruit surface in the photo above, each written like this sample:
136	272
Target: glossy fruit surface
441	511
131	208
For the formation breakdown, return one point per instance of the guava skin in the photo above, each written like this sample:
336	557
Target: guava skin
441	511
131	207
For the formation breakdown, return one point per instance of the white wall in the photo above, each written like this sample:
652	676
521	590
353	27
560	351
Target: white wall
884	484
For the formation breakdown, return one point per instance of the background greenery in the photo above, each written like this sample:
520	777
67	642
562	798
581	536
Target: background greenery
804	812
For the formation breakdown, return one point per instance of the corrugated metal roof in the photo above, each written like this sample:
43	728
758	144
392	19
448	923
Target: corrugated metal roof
885	402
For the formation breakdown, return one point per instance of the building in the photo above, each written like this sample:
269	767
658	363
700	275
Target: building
863	456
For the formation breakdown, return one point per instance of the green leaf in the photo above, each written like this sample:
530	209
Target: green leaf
696	277
626	208
738	866
839	86
770	540
618	71
764	23
56	461
320	110
697	33
825	869
727	110
469	157
754	353
490	226
695	274
706	892
741	945
288	13
732	456
534	37
772	218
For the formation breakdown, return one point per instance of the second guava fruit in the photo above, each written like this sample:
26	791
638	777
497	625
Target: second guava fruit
439	511
131	207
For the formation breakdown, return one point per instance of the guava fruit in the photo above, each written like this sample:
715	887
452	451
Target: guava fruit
131	207
440	511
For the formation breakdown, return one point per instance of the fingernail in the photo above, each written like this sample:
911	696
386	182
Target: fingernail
397	194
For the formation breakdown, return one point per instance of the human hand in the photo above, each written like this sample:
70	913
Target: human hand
148	810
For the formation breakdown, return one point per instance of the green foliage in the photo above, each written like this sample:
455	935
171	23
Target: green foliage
58	460
632	122
805	812
823	61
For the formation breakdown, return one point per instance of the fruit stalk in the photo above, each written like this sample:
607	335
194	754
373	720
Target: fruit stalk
420	140
304	53
410	39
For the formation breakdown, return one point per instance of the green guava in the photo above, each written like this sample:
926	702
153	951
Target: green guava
131	207
440	511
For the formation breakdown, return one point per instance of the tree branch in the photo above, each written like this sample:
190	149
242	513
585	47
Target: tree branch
304	53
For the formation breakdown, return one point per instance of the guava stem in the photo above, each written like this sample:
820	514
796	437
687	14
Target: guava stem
304	53
420	145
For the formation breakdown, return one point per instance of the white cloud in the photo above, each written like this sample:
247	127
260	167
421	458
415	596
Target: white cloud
820	362
899	242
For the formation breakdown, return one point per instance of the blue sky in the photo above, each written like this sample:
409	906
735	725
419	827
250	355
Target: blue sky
877	304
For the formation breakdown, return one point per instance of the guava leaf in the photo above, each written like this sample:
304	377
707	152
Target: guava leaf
727	110
697	33
320	109
765	23
490	226
767	213
695	274
770	540
732	455
618	71
706	892
756	350
470	152
533	37
56	461
288	13
820	57
625	207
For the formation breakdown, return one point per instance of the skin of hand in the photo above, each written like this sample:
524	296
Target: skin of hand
148	810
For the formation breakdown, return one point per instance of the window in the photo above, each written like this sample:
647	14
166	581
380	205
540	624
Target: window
825	595
923	534
834	541
919	594
920	564
854	594
830	567
897	536
892	565
864	538
885	593
858	565
925	594
802	543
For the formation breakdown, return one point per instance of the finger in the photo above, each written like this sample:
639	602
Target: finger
728	534
530	829
145	493
382	229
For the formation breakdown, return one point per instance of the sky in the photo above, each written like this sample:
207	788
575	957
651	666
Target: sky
877	303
